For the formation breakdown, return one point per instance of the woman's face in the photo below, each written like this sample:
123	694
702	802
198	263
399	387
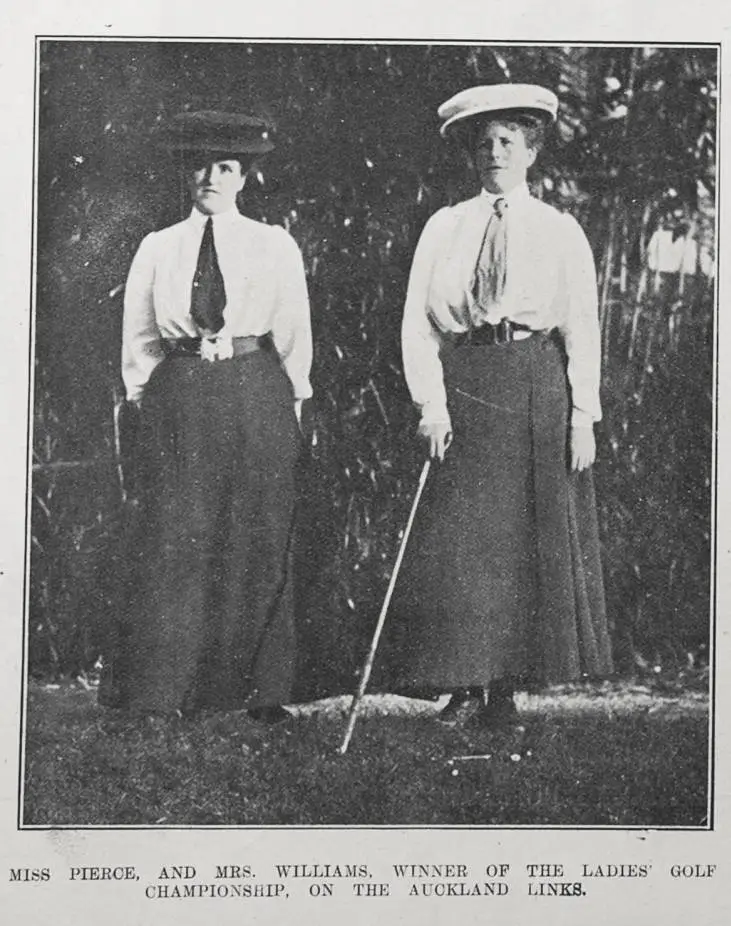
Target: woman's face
214	186
502	156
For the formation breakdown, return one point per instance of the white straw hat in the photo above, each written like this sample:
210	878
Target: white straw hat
498	98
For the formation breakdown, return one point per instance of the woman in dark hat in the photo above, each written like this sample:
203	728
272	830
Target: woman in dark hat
502	583
216	353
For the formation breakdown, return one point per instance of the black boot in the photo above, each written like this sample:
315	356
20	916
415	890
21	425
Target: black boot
500	711
269	715
464	704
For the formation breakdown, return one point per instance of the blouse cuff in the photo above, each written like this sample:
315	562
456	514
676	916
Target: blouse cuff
300	385
435	413
581	419
134	394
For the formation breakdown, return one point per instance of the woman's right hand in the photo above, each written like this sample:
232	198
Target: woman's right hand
438	435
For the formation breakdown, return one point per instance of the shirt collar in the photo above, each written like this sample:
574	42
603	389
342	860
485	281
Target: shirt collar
518	194
199	218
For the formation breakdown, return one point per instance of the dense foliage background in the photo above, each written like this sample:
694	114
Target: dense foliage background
358	169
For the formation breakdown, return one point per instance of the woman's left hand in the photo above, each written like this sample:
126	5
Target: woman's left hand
298	411
583	448
304	412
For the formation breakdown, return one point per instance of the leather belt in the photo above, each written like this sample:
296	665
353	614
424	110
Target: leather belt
214	348
505	332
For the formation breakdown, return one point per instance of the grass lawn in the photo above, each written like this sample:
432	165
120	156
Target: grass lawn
613	755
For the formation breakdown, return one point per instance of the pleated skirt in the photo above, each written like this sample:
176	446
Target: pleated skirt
502	577
206	615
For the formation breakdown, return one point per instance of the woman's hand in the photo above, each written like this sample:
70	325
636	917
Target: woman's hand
438	434
583	448
298	411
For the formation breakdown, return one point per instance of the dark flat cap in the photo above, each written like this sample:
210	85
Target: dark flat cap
216	132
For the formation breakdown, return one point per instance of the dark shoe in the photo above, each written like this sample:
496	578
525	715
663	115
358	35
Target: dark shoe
462	706
497	714
269	715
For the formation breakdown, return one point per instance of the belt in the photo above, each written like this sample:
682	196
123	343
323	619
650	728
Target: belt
505	332
214	348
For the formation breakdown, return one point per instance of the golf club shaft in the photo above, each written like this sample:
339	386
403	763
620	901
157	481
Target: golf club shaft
368	665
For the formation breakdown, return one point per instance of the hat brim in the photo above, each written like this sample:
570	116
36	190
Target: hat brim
229	134
216	146
546	115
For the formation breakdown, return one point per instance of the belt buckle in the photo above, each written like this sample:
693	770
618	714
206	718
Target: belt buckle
217	348
504	331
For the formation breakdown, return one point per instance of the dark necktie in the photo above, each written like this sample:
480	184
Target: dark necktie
492	266
208	293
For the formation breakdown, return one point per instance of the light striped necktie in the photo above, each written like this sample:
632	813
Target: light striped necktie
492	268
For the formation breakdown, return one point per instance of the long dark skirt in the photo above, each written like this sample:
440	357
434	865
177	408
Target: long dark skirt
208	619
502	578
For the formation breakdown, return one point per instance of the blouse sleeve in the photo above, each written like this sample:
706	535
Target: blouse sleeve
420	340
141	348
291	329
580	328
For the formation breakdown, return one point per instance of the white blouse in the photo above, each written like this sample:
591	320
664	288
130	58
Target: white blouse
266	293
551	283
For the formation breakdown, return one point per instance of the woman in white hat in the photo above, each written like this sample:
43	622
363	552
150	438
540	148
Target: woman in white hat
216	353
502	584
